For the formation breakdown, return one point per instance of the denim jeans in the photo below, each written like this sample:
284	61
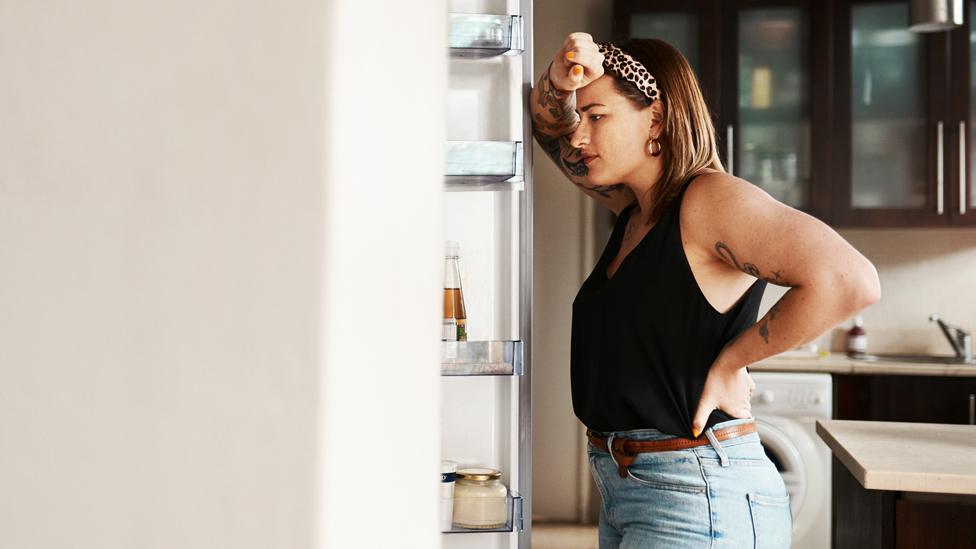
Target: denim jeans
727	494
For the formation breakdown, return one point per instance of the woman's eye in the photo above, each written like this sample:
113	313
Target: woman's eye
595	117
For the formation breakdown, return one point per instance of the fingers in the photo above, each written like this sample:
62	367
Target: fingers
584	53
574	38
701	417
577	63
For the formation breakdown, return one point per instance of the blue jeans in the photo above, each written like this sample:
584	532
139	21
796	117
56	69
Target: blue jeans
725	494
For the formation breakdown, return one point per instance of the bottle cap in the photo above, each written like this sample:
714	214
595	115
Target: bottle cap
858	320
451	248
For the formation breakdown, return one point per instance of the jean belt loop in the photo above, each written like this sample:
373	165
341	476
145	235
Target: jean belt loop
610	448
722	456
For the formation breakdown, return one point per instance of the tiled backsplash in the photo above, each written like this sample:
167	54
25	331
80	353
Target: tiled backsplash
922	271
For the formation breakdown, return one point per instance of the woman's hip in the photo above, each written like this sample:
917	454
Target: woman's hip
726	492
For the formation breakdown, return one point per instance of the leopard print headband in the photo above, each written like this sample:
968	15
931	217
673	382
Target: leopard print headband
622	65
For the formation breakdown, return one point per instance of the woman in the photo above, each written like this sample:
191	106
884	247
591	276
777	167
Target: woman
664	327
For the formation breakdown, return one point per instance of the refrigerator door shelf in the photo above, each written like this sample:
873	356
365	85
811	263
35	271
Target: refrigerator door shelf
473	184
482	162
512	524
481	358
479	35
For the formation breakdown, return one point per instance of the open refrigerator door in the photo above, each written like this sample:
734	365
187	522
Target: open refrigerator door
485	366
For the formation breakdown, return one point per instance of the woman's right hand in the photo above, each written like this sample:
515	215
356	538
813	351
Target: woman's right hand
577	63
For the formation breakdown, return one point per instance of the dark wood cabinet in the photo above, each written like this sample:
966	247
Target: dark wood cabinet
893	519
915	399
833	107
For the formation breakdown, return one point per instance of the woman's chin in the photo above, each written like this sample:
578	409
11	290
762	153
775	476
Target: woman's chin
600	181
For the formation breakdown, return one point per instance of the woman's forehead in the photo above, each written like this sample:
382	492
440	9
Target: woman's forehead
600	90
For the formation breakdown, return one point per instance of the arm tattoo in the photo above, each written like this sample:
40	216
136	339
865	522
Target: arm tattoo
750	269
764	327
560	106
606	191
556	148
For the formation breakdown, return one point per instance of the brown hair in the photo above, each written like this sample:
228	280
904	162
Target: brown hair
688	140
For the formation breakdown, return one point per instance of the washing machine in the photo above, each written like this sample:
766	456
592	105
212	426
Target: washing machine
786	407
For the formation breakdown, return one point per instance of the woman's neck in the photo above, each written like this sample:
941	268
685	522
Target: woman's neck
646	192
643	183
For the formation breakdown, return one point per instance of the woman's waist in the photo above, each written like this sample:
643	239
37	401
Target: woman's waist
656	434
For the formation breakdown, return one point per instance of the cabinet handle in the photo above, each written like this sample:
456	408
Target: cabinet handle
939	171
730	148
972	409
962	166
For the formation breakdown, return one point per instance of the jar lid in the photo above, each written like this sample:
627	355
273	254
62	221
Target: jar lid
479	474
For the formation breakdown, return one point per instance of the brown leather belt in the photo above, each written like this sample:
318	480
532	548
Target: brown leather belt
625	450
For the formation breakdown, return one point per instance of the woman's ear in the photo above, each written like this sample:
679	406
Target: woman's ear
657	116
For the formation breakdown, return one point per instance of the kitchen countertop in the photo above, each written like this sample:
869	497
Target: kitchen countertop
839	363
906	457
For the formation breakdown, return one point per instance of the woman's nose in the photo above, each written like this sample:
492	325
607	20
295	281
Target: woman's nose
579	138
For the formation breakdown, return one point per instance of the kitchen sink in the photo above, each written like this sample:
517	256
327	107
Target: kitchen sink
930	359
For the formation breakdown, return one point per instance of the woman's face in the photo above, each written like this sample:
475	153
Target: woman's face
612	134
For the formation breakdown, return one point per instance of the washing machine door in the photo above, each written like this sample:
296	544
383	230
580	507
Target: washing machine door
789	445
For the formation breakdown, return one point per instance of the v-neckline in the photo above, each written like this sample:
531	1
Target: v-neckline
603	270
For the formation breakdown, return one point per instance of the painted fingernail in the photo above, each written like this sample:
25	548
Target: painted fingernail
571	55
577	70
695	432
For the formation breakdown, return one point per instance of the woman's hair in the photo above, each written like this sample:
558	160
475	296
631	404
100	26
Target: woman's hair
688	140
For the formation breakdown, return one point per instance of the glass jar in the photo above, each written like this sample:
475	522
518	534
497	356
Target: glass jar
480	499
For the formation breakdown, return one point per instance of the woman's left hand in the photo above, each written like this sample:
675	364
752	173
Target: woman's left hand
728	389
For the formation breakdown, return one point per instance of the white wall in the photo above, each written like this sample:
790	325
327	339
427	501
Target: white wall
197	204
922	271
568	238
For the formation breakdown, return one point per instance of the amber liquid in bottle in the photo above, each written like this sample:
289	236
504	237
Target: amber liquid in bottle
455	318
454	308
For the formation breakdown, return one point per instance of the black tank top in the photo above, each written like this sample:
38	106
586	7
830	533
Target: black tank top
644	340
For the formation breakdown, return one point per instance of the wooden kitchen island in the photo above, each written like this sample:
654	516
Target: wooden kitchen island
902	485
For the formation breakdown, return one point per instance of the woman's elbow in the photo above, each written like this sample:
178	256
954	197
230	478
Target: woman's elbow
865	287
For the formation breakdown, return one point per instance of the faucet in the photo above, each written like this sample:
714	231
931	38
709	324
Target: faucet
961	340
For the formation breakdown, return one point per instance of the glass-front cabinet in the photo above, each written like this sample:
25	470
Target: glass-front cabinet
904	157
767	120
763	89
833	107
892	152
691	26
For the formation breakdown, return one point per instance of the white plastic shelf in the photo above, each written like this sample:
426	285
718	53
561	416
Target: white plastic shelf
483	165
480	35
481	358
512	524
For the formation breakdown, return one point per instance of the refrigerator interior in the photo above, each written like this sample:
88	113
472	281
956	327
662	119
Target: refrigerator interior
480	415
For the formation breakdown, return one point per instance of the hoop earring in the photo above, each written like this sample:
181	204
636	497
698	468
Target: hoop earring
653	147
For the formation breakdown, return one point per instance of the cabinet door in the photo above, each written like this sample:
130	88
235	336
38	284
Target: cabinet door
691	26
960	155
769	63
891	118
914	399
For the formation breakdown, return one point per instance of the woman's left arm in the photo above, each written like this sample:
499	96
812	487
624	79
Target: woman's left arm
746	228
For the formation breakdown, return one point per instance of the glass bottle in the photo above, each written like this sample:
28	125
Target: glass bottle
455	319
857	338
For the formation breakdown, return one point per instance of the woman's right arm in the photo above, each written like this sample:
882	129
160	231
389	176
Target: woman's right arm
554	119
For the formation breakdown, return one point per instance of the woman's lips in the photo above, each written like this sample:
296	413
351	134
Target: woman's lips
589	159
